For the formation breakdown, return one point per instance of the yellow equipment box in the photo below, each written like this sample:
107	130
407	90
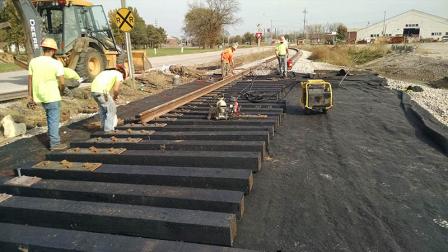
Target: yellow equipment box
317	95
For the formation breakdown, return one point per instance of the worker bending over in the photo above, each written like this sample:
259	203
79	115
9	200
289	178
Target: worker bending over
104	83
281	51
227	64
45	84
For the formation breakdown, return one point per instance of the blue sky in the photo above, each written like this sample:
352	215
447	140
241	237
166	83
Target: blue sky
286	15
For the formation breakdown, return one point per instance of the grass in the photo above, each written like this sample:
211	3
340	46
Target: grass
187	50
8	67
347	55
176	51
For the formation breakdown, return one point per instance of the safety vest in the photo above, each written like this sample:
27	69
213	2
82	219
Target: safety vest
104	81
281	49
227	55
44	71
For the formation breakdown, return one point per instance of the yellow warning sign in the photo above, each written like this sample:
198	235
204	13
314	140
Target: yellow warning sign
124	20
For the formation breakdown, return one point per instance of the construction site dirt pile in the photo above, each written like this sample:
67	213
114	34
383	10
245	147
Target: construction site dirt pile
186	71
441	83
410	67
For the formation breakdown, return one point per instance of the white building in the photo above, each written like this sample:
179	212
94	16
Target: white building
413	23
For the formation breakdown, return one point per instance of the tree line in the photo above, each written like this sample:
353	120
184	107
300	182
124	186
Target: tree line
14	34
143	35
204	24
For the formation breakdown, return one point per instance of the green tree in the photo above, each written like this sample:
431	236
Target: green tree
248	37
236	39
205	24
156	36
341	31
197	25
138	34
15	34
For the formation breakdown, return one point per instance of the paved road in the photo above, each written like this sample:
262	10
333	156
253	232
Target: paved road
17	81
13	81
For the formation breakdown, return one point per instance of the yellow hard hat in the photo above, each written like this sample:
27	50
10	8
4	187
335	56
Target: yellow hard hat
235	46
49	43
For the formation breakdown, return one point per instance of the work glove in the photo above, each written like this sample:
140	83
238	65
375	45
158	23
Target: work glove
31	104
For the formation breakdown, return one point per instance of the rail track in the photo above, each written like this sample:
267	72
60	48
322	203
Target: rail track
170	180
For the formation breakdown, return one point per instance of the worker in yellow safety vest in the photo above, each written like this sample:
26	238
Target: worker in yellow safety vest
71	80
281	51
45	84
227	63
104	83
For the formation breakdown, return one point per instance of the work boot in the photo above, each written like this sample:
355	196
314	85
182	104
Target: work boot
58	147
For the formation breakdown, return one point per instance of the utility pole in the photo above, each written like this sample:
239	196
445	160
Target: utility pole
384	24
129	49
304	23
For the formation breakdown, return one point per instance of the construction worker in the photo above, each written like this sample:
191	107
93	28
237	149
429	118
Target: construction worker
104	83
281	51
71	80
227	63
45	84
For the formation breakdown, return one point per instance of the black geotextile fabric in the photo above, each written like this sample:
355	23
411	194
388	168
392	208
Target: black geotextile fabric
363	177
421	118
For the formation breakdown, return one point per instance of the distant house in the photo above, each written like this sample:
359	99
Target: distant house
351	36
322	38
172	42
415	24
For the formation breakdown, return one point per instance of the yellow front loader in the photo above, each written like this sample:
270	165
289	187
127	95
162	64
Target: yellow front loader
85	40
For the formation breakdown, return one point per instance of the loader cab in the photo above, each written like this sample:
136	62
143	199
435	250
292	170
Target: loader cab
82	31
67	23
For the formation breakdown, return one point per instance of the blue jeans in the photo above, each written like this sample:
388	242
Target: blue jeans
108	110
52	110
282	66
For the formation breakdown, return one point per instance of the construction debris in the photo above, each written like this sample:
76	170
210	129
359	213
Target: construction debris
11	128
414	89
186	71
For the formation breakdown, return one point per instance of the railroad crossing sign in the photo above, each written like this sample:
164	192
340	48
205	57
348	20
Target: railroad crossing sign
124	19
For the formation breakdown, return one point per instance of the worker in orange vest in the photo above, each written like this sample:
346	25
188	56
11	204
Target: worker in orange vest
227	63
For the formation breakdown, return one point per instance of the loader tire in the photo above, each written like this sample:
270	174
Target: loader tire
91	63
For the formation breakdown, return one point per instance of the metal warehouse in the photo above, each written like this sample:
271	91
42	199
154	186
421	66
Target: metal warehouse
413	23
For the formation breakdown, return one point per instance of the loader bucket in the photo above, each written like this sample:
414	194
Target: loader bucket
141	62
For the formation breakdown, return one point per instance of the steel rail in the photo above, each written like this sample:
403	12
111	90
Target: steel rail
162	109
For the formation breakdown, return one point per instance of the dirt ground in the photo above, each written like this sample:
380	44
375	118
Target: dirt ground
433	50
428	63
426	66
360	178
